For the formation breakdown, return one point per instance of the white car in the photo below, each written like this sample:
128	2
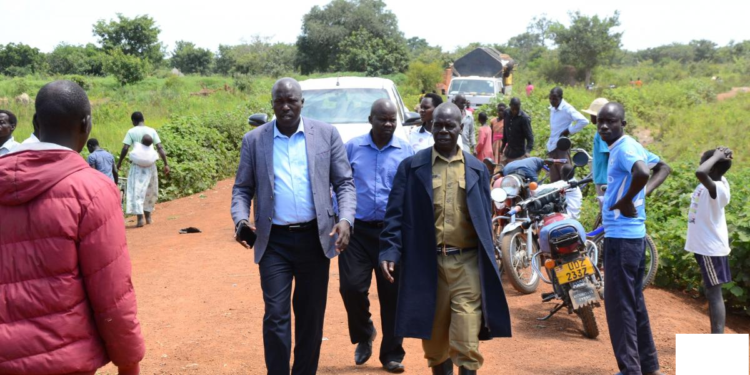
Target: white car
345	103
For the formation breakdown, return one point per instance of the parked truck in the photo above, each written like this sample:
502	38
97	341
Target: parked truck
479	76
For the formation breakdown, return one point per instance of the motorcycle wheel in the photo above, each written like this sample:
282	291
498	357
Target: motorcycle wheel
590	328
652	258
523	279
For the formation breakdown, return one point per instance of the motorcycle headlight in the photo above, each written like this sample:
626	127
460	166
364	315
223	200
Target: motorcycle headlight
512	185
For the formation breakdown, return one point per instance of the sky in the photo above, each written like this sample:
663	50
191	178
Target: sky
44	23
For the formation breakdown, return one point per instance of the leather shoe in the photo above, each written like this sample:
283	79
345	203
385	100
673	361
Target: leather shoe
394	367
465	371
364	349
445	368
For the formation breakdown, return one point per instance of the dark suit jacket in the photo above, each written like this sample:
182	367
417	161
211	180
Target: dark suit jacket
327	165
408	239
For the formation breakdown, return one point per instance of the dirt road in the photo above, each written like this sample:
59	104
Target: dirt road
201	309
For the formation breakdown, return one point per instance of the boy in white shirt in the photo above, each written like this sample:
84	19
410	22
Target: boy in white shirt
707	235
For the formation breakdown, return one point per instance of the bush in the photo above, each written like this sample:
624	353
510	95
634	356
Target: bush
127	69
424	76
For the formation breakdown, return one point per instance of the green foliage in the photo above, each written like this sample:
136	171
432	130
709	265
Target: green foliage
324	28
202	149
137	36
363	52
127	69
424	76
82	60
20	59
191	60
588	42
258	57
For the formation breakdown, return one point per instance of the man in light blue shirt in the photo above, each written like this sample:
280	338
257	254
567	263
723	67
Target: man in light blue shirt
600	152
564	120
374	157
286	171
624	217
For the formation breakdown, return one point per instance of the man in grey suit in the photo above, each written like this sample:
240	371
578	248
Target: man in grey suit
287	167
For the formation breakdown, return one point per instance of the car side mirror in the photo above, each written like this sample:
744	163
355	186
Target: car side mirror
258	119
568	172
412	118
580	159
498	195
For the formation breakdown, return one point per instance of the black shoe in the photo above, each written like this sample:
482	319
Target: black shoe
445	368
394	367
464	371
364	349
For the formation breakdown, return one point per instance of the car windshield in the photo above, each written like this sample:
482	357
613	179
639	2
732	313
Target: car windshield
340	106
472	86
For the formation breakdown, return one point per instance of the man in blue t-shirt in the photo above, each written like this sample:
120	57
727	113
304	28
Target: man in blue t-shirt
624	218
528	168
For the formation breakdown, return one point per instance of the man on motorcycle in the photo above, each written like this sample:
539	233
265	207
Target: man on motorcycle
530	168
624	217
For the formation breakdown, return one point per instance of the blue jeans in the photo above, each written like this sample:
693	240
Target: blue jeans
629	327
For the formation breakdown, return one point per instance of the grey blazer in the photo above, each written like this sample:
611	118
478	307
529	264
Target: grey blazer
327	165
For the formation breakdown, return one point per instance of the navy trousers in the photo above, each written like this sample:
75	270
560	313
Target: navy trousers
294	256
356	266
629	327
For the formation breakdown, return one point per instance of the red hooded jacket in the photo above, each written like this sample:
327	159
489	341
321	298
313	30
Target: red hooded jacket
67	303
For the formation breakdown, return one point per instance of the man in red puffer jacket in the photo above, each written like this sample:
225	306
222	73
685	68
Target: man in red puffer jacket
67	304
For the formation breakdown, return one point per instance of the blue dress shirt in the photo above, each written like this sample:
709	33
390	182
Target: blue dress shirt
293	197
373	171
561	118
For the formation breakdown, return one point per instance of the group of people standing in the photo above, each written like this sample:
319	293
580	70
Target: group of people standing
419	217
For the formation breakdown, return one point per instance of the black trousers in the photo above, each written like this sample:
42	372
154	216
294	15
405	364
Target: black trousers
629	326
294	256
356	265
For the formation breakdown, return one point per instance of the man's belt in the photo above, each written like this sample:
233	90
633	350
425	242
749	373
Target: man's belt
371	224
301	227
452	250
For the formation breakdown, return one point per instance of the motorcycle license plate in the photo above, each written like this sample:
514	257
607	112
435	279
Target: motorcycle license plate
575	270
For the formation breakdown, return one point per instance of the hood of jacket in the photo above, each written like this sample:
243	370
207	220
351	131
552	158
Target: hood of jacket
27	173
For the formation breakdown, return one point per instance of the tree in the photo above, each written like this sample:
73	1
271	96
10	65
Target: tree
82	60
705	50
190	60
20	60
257	57
138	37
540	26
363	52
126	68
588	42
324	28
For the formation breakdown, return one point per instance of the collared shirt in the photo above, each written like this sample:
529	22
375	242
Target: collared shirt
373	170
564	117
293	199
102	161
623	154
32	139
8	146
517	135
453	225
468	132
601	159
421	139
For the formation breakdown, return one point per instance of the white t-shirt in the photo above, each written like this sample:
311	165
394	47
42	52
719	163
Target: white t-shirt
707	226
143	156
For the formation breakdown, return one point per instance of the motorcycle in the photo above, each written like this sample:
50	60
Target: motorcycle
569	260
514	245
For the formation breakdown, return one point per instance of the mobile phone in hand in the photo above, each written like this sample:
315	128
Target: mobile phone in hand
244	233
